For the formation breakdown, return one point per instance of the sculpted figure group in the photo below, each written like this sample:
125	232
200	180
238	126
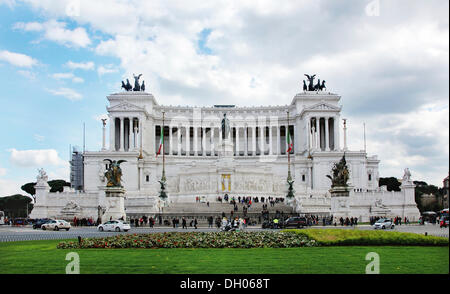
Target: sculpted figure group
137	87
311	87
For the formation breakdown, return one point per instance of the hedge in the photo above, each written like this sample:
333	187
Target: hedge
341	237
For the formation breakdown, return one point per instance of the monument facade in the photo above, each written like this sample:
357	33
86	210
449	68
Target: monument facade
239	151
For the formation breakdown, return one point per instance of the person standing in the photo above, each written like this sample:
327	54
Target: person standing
195	223
183	223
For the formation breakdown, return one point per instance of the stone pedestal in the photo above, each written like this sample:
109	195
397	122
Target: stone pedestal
226	149
115	204
340	201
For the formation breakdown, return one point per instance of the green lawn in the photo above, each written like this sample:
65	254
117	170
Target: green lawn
43	257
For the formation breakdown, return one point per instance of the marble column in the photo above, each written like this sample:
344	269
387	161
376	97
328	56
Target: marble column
103	136
195	140
204	142
336	132
270	140
245	141
254	140
212	140
188	140
112	133
308	134
141	131
130	132
170	141
278	140
317	136
327	134
179	140
237	141
135	141
122	141
261	141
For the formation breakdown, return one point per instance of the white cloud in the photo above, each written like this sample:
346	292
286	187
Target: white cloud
28	74
57	32
80	65
106	69
38	138
36	158
386	68
10	187
68	75
67	93
101	116
17	59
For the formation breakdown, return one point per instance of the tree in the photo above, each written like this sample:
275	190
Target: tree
29	188
392	183
16	205
57	185
422	188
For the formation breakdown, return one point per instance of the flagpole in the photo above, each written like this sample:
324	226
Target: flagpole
163	178
289	178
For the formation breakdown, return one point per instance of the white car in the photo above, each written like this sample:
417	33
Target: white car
383	223
56	224
114	225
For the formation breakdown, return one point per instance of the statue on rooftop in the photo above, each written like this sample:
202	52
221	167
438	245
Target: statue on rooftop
137	87
311	82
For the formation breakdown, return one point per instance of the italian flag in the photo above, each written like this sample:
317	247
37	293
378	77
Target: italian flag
161	142
289	143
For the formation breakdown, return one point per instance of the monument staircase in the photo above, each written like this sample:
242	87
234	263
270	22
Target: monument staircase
202	211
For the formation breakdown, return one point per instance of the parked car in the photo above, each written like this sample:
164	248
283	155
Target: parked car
296	221
443	223
39	223
56	224
383	223
114	225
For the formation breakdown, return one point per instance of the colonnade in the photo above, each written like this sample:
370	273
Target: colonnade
247	140
323	133
125	134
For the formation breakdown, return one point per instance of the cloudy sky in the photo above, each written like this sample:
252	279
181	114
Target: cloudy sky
59	59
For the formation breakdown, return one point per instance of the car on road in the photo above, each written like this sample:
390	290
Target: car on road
56	225
296	221
443	223
38	224
383	223
114	225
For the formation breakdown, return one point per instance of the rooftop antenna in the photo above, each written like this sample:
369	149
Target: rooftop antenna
84	137
365	149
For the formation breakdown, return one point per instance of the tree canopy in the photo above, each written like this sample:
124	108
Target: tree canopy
55	186
392	183
16	205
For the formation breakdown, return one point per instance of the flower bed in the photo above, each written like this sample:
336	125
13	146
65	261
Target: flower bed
195	240
341	237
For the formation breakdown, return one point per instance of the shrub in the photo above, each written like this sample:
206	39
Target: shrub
340	237
195	240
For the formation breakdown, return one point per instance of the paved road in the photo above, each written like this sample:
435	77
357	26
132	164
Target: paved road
8	234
